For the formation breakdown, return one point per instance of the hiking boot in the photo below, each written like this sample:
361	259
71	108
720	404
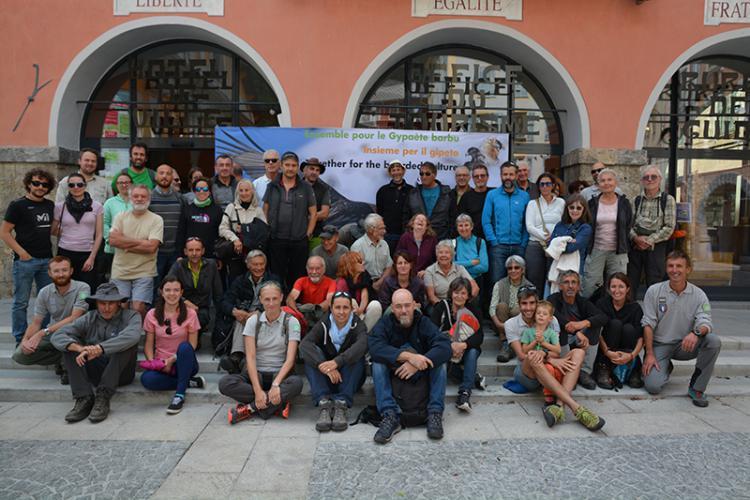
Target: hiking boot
506	353
553	414
635	380
326	414
239	413
176	405
100	411
699	398
586	381
604	377
589	419
81	409
340	420
435	425
389	425
480	382
231	363
462	401
197	382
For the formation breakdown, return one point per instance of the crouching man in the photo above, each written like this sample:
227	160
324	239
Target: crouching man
408	345
99	352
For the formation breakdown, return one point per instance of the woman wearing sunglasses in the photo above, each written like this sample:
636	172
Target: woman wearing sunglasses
576	223
542	214
79	225
200	218
171	337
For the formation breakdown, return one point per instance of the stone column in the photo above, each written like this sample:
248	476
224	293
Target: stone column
15	161
626	162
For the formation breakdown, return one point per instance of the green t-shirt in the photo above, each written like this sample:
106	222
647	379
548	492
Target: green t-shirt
138	178
550	336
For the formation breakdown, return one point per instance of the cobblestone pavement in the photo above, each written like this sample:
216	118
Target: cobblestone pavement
677	466
85	469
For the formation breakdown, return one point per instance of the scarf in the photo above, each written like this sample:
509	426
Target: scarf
202	204
245	205
78	208
338	335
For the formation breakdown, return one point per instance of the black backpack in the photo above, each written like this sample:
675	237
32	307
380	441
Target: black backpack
412	396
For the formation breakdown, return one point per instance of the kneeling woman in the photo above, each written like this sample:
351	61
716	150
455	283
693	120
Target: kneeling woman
171	336
271	341
334	354
460	320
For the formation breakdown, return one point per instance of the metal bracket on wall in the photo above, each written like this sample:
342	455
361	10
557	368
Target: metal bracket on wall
30	99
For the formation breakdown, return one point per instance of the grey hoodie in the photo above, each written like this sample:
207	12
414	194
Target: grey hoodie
118	334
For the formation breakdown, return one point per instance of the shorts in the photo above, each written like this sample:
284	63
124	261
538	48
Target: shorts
139	289
531	384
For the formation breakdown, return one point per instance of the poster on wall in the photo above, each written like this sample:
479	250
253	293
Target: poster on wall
356	160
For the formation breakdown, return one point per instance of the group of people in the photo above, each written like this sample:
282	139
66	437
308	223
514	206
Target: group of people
254	263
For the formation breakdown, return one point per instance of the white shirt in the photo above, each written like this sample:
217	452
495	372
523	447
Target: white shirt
548	217
260	184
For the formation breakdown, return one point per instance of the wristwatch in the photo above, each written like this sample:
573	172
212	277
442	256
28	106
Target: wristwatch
46	331
275	385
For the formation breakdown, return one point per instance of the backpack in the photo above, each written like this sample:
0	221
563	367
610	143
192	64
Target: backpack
662	202
412	396
222	335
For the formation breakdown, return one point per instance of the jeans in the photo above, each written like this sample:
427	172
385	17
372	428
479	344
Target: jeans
498	255
467	372
26	272
187	366
381	376
321	387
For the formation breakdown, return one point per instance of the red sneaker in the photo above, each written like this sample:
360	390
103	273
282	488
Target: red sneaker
284	412
239	413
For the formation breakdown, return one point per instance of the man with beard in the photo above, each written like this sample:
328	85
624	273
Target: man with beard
137	170
390	201
311	294
271	164
523	182
98	187
504	221
167	204
408	345
224	184
64	300
136	236
312	169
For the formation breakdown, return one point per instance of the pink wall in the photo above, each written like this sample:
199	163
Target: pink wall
615	50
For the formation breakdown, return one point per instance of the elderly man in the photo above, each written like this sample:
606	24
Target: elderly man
136	235
330	250
580	322
374	250
167	203
64	300
98	187
99	352
409	346
312	169
390	201
677	325
224	183
523	182
431	198
654	215
504	303
271	165
311	294
593	190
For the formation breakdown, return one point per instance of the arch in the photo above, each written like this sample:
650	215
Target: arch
88	67
550	73
733	42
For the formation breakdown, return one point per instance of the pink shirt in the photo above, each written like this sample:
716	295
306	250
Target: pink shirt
165	345
606	227
77	236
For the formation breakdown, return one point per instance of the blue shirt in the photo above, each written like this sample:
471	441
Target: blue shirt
430	197
466	251
504	217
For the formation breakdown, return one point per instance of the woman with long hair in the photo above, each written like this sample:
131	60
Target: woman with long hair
542	214
353	278
171	338
403	275
419	241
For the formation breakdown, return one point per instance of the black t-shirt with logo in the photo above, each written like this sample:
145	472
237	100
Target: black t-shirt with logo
32	221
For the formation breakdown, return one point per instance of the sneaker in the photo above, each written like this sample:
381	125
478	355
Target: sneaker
231	363
604	377
340	420
553	414
549	400
389	425
586	381
462	401
589	419
435	425
80	410
197	382
699	398
506	353
100	411
480	382
285	411
176	405
326	414
239	413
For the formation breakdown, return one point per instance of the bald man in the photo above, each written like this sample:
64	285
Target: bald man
593	190
271	164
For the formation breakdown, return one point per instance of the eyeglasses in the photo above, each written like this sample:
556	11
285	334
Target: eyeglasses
270	160
168	322
596	171
546	184
40	184
426	173
341	294
72	185
649	178
123	183
201	189
479	176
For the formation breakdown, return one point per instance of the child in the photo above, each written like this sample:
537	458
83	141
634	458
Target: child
542	337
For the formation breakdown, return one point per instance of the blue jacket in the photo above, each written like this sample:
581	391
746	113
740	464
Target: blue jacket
388	338
466	251
581	232
504	217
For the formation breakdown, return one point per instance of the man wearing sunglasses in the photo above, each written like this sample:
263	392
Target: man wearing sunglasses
271	164
593	190
654	221
432	199
98	187
30	218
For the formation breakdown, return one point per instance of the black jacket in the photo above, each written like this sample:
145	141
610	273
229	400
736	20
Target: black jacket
630	314
471	204
441	317
201	222
388	337
586	309
303	197
624	223
241	292
390	202
209	283
318	347
440	218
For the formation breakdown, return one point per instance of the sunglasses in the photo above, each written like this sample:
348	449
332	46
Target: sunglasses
575	207
527	289
479	176
42	184
425	174
596	171
168	322
72	185
546	184
341	294
270	160
649	178
514	268
193	238
201	189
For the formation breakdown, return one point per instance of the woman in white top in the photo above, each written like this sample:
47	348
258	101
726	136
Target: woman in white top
542	214
237	217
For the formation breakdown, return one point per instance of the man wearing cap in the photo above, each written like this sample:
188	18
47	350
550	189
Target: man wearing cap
290	208
312	169
330	250
99	352
271	164
390	202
